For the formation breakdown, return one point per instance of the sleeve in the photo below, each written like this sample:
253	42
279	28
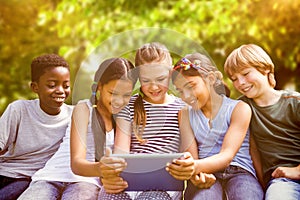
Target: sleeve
295	104
124	113
298	109
9	123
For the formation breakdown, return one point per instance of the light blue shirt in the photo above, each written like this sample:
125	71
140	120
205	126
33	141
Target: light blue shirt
210	140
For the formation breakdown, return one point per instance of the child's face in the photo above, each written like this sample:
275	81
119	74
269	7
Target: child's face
250	82
193	90
53	88
154	79
115	95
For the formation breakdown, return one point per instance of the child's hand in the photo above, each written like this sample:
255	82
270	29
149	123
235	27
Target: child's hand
287	172
114	184
111	166
182	168
110	169
203	180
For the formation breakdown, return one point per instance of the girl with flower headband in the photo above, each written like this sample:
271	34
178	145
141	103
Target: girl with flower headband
93	127
149	123
220	127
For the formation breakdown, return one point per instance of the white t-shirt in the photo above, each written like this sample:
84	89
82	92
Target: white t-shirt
110	139
29	137
58	167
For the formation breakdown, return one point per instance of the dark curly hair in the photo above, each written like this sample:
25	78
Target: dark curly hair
40	64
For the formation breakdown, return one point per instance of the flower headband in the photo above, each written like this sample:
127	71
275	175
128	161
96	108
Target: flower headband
186	64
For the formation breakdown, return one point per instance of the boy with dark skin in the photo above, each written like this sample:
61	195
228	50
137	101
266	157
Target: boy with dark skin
32	130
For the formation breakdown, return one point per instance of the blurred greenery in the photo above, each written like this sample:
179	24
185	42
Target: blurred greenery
74	29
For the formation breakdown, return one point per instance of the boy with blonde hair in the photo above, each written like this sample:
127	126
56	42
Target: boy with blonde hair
275	122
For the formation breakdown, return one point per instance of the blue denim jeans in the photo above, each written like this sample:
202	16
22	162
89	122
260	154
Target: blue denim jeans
53	190
283	188
11	188
234	183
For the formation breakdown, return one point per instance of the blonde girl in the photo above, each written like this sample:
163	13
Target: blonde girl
149	123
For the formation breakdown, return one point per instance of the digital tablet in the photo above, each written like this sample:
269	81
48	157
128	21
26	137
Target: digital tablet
146	172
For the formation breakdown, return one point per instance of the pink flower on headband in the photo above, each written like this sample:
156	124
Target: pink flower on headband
186	64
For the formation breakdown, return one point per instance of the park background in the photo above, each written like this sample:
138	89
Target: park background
74	28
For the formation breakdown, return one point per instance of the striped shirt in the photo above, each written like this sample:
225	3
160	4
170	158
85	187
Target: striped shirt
161	130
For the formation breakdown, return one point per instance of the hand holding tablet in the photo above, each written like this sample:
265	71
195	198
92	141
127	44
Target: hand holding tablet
147	172
183	168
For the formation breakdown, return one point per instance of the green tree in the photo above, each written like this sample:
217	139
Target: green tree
22	39
74	29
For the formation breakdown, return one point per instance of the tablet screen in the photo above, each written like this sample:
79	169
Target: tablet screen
147	172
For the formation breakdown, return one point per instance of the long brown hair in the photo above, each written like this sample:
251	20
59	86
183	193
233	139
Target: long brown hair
109	70
148	53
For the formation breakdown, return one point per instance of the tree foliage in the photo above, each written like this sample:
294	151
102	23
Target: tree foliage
74	29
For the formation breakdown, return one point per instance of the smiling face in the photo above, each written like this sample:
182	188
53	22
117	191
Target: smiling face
193	90
53	88
114	95
154	79
250	82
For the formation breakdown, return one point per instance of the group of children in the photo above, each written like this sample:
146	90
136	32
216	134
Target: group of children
233	149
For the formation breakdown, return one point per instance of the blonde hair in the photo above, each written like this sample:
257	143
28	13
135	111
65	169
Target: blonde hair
250	55
149	53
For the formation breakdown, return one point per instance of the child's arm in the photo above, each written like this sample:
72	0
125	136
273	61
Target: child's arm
183	168
233	140
255	156
9	123
188	143
111	181
79	164
123	136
